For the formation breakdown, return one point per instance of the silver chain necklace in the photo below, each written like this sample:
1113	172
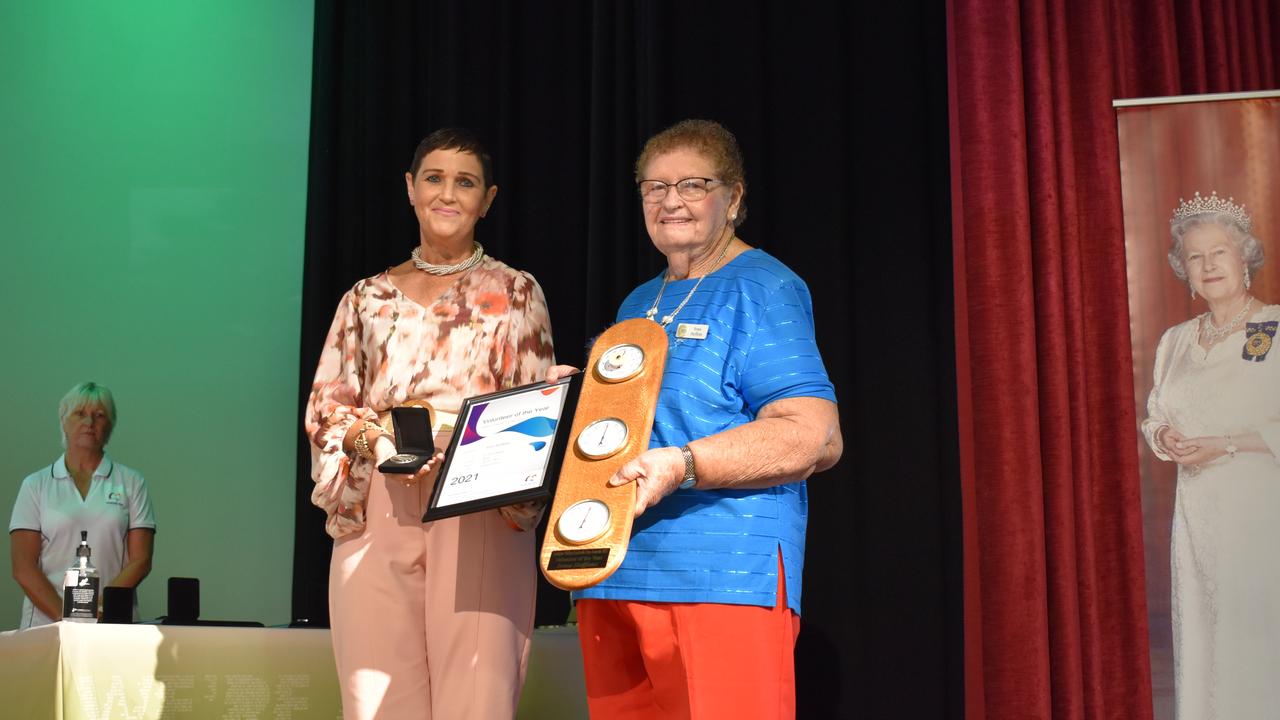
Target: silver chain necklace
1214	334
457	267
666	319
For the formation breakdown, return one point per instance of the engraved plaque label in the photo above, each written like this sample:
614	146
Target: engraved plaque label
575	559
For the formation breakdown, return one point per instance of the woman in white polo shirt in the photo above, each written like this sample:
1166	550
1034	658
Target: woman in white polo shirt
82	490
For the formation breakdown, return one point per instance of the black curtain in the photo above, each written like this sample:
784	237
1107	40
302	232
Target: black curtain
841	112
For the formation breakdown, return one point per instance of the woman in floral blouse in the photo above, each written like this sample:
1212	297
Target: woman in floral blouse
429	620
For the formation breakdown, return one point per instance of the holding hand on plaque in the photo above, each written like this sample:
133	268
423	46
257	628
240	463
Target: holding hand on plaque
429	620
744	415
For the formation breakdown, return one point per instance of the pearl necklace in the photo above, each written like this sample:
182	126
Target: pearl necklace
1213	334
457	267
666	319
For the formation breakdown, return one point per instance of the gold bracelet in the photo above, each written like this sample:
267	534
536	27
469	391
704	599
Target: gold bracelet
361	444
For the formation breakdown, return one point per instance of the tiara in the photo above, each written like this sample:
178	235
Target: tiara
1213	204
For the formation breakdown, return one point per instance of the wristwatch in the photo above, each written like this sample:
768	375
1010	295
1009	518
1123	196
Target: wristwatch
690	474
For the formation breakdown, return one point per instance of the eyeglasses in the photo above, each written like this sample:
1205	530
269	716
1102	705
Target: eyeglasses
690	189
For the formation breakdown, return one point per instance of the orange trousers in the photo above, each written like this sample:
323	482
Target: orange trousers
701	661
430	620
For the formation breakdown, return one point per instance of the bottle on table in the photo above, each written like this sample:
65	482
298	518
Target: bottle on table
81	586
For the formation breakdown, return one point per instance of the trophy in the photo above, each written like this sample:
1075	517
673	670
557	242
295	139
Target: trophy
590	522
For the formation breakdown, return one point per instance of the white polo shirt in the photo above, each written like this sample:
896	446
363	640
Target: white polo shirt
49	503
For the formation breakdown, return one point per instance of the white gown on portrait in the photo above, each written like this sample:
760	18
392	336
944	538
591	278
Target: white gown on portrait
1226	525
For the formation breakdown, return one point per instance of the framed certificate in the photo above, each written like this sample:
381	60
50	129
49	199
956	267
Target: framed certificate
506	448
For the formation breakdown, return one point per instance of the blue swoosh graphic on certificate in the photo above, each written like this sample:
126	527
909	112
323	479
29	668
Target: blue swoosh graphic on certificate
538	445
539	426
534	427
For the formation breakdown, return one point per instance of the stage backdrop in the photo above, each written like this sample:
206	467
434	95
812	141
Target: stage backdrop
152	193
1170	148
840	109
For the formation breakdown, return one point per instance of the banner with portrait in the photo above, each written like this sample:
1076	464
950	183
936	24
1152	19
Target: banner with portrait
1171	149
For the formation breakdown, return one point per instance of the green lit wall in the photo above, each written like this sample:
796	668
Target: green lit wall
153	164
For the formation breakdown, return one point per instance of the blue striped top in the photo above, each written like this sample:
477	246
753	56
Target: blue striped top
720	546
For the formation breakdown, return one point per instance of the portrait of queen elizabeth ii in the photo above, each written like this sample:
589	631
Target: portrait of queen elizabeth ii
1214	411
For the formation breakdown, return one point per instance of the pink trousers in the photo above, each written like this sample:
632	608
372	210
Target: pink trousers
430	620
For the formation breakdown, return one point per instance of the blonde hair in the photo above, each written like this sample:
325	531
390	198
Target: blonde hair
82	394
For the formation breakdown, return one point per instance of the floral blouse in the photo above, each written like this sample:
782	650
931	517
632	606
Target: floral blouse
489	331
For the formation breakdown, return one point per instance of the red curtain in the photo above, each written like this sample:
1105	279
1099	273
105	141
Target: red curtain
1055	618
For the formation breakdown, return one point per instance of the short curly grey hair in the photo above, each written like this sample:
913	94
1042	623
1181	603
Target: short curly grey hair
1250	247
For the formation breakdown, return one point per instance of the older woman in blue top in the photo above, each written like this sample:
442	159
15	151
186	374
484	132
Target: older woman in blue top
701	618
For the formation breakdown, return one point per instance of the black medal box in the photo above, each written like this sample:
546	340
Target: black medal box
414	443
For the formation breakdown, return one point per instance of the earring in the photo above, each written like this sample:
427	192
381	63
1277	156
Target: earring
1247	282
1193	293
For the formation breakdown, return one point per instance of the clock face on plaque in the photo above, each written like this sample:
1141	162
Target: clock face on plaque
620	362
583	521
603	438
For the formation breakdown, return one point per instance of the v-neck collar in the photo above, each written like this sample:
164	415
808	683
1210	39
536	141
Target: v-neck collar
104	469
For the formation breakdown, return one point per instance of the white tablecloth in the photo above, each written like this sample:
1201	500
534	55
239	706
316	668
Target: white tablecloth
72	671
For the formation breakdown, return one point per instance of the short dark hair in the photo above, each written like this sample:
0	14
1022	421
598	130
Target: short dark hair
454	138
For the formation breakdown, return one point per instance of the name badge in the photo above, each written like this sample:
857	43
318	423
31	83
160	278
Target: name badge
691	331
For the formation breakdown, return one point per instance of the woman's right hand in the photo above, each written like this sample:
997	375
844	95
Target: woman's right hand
1176	446
555	372
384	447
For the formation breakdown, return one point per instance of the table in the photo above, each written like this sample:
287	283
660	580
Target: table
76	671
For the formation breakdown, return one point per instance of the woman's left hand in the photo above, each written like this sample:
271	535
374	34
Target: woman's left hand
1206	450
555	372
657	473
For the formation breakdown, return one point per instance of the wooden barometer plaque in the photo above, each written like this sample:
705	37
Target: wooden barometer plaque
590	522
